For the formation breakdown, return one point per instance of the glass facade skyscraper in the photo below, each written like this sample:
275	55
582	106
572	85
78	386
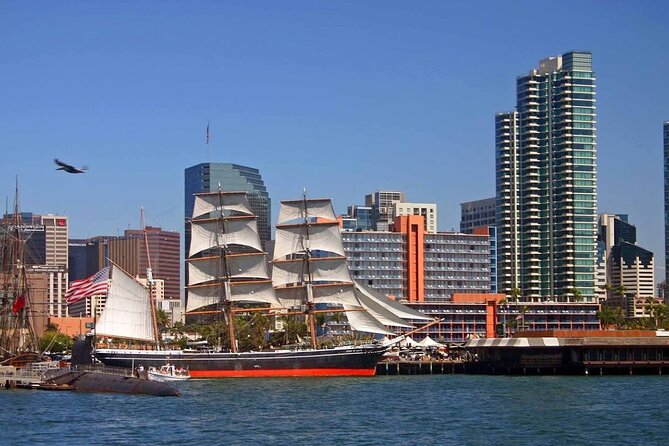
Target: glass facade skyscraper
206	177
546	182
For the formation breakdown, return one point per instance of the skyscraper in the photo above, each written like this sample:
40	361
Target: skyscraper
546	182
507	209
477	213
206	177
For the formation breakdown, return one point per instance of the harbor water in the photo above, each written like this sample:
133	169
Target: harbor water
404	410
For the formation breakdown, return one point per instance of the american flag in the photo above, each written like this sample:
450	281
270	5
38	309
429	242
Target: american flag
91	286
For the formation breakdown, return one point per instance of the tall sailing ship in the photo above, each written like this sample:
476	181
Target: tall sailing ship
18	342
228	270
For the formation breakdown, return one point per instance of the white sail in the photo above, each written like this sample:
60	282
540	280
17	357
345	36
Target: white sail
341	294
208	234
328	269
323	237
363	321
207	269
127	312
380	313
291	297
252	292
221	202
291	210
396	308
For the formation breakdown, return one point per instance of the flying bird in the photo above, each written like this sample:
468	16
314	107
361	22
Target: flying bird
68	168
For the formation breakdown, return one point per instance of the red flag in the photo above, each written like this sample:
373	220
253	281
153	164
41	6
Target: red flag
19	304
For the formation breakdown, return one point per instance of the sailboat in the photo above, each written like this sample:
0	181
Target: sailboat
18	342
227	267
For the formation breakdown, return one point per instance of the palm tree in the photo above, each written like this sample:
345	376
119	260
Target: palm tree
608	288
576	293
621	292
163	320
609	315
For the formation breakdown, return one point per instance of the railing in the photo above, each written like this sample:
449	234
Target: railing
19	375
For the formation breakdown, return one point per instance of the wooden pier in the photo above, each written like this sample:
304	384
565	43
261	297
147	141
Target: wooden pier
430	367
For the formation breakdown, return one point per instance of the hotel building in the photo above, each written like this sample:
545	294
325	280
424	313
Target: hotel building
410	264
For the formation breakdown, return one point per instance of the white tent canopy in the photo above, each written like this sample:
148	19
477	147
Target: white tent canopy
408	342
429	342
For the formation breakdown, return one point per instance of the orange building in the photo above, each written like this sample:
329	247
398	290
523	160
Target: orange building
72	326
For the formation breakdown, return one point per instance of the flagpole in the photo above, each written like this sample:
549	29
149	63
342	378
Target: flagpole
207	141
94	304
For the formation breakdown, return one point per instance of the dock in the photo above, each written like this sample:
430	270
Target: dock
11	378
428	367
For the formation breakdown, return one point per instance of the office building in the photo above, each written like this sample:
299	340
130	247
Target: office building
207	177
45	254
427	210
363	216
383	208
626	265
474	214
83	258
546	182
129	252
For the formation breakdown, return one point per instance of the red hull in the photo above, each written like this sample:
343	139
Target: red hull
280	373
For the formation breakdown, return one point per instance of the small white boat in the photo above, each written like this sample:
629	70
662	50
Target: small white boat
168	373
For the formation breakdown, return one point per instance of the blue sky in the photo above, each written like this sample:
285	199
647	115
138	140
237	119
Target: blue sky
341	97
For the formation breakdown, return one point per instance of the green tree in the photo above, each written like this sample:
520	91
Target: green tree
163	320
607	287
657	313
54	341
576	293
610	315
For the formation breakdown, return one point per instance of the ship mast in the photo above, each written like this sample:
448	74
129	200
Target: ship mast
149	281
227	303
226	263
16	330
310	291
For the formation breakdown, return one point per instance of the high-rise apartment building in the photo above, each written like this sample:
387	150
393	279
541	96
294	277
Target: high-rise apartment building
507	208
207	177
546	182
